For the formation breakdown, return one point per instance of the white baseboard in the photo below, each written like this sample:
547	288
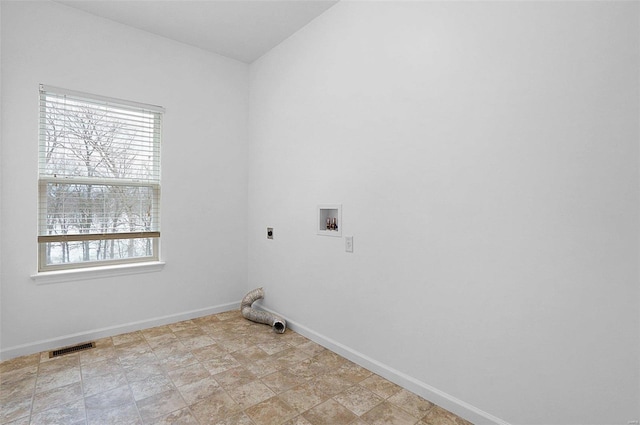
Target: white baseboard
442	399
66	340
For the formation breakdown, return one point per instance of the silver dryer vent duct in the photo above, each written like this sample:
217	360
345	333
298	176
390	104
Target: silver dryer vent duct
278	323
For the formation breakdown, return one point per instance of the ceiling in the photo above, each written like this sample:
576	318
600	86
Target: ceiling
240	29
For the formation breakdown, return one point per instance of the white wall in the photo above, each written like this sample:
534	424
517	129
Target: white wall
204	191
0	175
486	156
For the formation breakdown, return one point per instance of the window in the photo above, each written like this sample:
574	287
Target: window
99	181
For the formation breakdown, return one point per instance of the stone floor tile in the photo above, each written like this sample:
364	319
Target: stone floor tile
282	380
67	414
358	399
154	384
177	359
298	420
236	344
358	422
12	389
126	414
352	372
309	368
188	374
102	367
220	364
388	414
100	383
213	408
412	403
45	358
25	420
249	355
331	359
218	332
127	338
440	416
166	349
273	347
234	377
272	411
331	383
160	404
312	348
289	358
142	372
303	397
57	364
292	338
156	332
199	390
19	363
57	379
250	394
210	352
261	368
215	370
103	342
181	326
380	386
58	396
11	376
205	320
197	342
234	419
139	359
179	417
329	413
132	349
111	398
189	333
97	354
15	408
233	314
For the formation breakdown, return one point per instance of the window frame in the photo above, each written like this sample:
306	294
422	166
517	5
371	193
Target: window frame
153	184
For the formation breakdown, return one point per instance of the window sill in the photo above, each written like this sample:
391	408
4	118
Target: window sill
58	276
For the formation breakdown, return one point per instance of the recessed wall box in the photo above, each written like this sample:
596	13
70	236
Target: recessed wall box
329	222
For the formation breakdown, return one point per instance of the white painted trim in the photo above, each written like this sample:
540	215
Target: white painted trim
69	275
442	399
80	337
103	99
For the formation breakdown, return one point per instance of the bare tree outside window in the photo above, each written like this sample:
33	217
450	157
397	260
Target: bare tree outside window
99	181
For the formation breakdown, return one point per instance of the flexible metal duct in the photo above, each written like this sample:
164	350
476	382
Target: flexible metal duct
278	323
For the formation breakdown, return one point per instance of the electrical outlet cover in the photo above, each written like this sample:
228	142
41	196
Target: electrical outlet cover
348	243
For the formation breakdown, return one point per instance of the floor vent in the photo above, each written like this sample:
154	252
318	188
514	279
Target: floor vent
67	350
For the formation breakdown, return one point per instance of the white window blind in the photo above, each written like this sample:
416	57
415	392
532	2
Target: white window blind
99	180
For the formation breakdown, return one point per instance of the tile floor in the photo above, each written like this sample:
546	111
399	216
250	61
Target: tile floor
218	369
